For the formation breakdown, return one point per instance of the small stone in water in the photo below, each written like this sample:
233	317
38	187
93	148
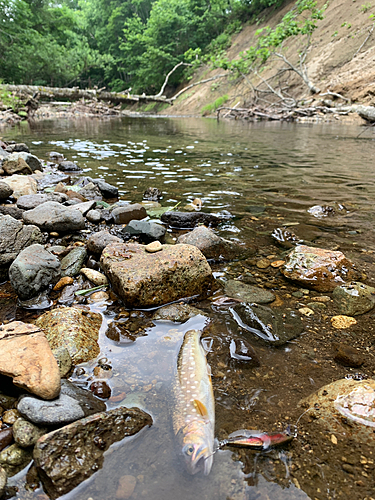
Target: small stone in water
54	234
153	247
343	322
98	297
101	389
94	276
67	280
306	311
263	263
277	263
126	487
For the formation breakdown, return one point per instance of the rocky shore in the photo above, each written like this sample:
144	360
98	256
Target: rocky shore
67	242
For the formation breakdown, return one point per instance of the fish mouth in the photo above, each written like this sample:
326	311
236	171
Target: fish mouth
201	459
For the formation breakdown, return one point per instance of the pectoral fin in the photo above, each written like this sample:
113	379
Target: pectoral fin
201	409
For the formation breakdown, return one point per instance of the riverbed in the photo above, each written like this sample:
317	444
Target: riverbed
259	177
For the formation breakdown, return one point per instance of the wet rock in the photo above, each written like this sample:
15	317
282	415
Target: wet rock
188	220
318	269
263	263
52	216
21	184
243	354
98	297
342	322
10	416
153	247
64	361
17	148
142	279
274	327
146	231
107	190
56	157
95	277
70	455
285	238
33	270
354	298
346	408
211	245
14	456
98	241
248	293
72	404
69	166
5	191
347	355
14	237
40	301
101	389
18	166
30	201
123	215
178	313
152	194
51	179
26	433
94	216
63	282
25	355
126	487
3	480
72	263
85	206
32	161
321	211
73	328
91	192
6	438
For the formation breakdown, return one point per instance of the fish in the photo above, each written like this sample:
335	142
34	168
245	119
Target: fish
257	440
193	413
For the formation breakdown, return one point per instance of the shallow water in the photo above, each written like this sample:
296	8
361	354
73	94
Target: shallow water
266	175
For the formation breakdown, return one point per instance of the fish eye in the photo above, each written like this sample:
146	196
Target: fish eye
189	449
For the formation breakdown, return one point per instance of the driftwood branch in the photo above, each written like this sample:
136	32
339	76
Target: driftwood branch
167	78
195	84
368	36
301	72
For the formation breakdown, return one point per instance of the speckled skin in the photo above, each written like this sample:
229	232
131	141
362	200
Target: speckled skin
194	405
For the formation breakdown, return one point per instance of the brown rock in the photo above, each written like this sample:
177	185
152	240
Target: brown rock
347	355
123	215
66	280
26	356
145	279
18	166
263	263
319	269
98	241
342	322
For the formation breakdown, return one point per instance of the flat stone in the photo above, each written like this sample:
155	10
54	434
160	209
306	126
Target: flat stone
188	220
98	241
145	279
145	230
33	270
21	184
95	277
344	401
211	245
51	179
319	269
62	467
72	263
72	404
153	247
52	216
272	326
85	206
5	191
15	237
354	298
123	215
248	293
73	328
30	201
26	356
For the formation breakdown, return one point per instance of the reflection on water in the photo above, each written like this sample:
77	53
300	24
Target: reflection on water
273	171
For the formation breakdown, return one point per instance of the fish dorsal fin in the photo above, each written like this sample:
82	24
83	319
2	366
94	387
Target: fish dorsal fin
201	409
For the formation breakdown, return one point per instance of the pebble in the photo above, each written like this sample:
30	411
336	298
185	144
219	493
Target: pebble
306	311
94	276
322	298
342	322
347	355
101	389
126	487
98	297
153	247
14	455
10	416
66	280
26	434
263	263
277	263
53	234
316	305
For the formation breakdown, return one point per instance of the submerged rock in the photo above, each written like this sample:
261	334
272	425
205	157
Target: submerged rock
26	356
188	220
243	354
70	455
33	270
72	404
346	408
176	312
52	216
347	355
145	279
15	456
73	328
14	237
319	269
211	245
274	327
354	298
248	293
285	238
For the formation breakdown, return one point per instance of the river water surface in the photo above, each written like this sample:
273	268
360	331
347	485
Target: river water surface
262	176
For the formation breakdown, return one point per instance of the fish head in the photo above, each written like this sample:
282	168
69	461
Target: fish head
197	448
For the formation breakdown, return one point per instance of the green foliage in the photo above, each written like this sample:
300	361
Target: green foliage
211	108
365	7
9	100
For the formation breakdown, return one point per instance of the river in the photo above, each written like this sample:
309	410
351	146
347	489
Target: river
262	176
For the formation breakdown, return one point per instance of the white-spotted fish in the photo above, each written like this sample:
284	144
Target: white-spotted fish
194	405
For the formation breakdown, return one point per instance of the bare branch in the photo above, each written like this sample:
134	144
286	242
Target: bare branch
301	73
368	36
167	77
194	84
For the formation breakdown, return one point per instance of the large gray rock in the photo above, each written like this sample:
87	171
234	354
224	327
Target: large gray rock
211	245
147	231
145	279
72	263
5	191
123	215
68	456
14	237
354	298
33	270
248	293
107	190
72	404
30	201
98	241
52	216
3	153
270	325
